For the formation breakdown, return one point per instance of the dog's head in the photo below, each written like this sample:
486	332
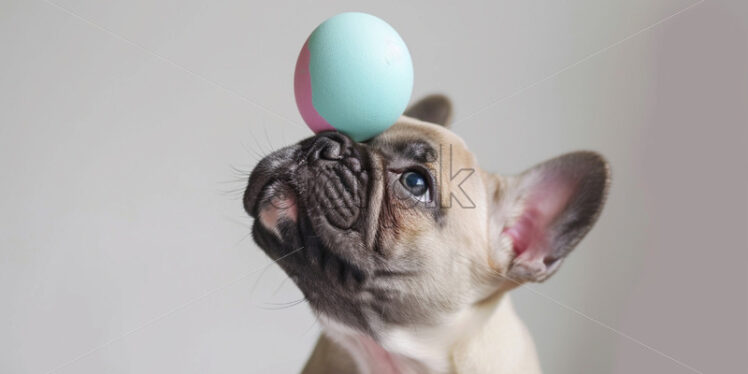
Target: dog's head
406	229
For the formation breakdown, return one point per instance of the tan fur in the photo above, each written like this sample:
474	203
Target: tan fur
472	326
502	344
466	229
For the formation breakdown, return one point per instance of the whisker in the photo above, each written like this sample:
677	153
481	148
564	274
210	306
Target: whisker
257	144
265	269
257	282
283	282
281	306
315	321
267	138
257	156
247	235
234	193
282	303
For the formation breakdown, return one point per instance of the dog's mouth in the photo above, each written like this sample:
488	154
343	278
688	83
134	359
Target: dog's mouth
276	203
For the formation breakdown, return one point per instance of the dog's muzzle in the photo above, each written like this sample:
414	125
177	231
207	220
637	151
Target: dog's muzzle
337	188
326	174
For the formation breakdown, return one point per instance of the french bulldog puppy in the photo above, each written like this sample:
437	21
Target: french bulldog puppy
405	249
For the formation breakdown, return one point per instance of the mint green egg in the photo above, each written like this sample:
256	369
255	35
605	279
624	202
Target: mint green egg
361	74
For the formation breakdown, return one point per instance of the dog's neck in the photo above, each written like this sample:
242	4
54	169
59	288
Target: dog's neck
490	332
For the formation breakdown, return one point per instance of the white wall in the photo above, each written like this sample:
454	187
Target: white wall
123	244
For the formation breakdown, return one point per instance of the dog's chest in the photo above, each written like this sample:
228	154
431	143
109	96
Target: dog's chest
400	352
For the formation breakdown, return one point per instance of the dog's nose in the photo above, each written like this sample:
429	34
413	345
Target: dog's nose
329	145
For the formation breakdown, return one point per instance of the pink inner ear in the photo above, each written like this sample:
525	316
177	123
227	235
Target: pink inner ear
545	200
524	232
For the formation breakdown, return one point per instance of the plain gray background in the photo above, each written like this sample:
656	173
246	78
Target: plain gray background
126	128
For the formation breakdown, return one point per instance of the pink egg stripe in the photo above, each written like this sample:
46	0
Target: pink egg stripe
303	90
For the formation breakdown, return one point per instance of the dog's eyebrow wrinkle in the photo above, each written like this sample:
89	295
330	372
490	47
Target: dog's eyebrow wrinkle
418	150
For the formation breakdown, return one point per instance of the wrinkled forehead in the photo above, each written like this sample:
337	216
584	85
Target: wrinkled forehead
424	142
442	152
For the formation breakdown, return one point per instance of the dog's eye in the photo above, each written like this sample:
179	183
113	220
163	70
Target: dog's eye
417	184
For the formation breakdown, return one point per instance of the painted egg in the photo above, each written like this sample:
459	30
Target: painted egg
355	75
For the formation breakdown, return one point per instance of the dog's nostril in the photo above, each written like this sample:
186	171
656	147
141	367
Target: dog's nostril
331	151
330	146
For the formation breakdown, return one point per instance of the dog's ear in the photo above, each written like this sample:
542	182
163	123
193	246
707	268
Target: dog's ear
539	216
433	108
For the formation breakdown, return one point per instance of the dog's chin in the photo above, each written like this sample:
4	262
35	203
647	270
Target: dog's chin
303	245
